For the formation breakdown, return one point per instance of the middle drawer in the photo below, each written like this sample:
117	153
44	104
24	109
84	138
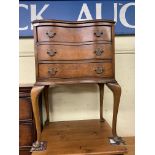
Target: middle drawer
74	52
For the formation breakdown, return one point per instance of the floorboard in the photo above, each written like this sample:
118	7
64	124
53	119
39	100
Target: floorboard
86	137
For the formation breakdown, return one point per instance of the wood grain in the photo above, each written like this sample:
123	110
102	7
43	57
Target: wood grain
27	132
25	108
85	137
36	90
116	89
64	54
24	152
69	34
74	52
130	144
75	70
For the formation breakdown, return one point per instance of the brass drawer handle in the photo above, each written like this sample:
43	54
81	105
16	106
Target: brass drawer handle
99	51
99	70
50	34
52	71
98	34
51	53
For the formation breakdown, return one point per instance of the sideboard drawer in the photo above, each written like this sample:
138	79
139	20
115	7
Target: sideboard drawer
76	34
25	108
78	52
25	152
78	70
26	135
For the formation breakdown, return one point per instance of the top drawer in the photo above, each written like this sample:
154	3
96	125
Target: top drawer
76	34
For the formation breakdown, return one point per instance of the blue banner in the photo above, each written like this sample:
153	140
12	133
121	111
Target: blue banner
121	11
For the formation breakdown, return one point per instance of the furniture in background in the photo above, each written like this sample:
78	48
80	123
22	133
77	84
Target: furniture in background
27	129
74	53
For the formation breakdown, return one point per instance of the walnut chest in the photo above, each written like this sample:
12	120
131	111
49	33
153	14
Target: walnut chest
74	52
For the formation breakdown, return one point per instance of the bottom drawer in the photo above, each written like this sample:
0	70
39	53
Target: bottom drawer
26	134
78	70
25	152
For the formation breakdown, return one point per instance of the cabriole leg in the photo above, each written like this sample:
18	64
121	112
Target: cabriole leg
116	89
36	90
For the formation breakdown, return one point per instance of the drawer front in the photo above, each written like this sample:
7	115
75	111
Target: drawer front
80	52
81	70
25	108
25	152
80	34
26	134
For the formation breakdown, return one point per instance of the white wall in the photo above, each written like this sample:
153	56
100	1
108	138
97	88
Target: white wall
77	102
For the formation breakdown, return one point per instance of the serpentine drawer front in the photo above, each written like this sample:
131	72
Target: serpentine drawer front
74	70
71	34
61	45
74	53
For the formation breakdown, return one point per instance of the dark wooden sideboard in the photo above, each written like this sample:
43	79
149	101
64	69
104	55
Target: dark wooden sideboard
27	129
74	53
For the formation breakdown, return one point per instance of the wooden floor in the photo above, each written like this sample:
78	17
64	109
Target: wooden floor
86	137
130	144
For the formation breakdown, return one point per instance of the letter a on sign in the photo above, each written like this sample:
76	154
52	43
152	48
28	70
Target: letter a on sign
86	12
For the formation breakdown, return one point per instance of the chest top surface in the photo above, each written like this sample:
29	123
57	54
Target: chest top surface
74	52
